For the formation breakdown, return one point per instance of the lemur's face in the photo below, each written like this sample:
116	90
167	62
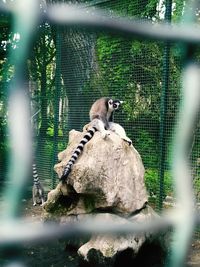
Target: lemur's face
114	104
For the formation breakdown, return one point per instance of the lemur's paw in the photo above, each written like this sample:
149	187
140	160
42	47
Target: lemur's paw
128	141
86	127
105	134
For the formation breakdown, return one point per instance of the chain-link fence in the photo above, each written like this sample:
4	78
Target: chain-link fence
93	64
68	67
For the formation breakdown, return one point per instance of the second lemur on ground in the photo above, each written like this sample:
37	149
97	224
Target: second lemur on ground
37	189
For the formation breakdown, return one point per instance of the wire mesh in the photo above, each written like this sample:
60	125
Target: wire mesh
86	65
95	64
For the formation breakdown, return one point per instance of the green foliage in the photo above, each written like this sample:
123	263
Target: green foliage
50	131
132	69
196	185
153	184
115	68
178	8
129	69
147	147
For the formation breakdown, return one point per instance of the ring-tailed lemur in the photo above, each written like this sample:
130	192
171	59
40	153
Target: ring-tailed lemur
101	113
37	190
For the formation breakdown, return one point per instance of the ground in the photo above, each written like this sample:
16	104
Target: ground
51	254
194	254
54	254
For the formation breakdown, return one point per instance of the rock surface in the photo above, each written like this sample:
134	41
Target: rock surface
109	171
112	245
107	182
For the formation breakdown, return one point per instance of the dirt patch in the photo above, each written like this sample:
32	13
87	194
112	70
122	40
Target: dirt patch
194	254
55	254
52	253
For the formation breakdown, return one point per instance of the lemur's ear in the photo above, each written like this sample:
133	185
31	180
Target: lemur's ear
121	102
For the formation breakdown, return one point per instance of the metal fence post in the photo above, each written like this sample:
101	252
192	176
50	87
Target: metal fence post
163	109
56	102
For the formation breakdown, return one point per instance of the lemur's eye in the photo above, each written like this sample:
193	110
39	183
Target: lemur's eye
114	105
110	102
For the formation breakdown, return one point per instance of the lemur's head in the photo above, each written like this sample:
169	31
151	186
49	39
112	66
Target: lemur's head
114	104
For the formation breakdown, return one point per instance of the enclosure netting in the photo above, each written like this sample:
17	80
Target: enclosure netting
92	64
69	68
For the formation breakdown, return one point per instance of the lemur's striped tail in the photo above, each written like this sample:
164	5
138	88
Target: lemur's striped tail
86	138
35	175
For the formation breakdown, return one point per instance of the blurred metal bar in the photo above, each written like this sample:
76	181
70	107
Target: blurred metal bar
18	231
24	24
182	218
181	169
185	221
18	109
76	16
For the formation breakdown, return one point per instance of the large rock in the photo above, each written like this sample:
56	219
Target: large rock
106	182
105	248
109	171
